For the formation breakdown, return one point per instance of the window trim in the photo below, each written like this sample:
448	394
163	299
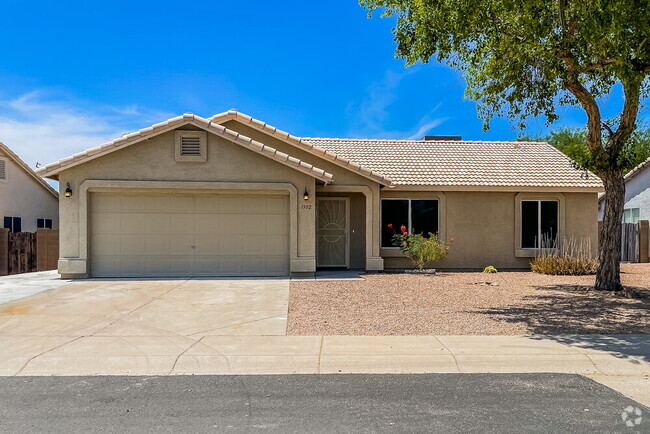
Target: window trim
530	252
45	220
203	140
409	199
13	226
539	218
631	213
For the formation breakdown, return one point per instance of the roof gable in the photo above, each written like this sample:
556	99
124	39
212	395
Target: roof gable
53	169
303	144
20	163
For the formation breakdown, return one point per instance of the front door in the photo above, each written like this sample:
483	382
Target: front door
332	232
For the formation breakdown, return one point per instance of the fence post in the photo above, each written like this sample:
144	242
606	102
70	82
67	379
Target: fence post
644	241
4	251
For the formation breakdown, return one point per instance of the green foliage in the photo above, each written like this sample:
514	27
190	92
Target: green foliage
490	269
572	142
519	58
420	249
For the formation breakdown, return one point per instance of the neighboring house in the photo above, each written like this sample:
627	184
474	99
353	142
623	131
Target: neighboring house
27	202
231	195
637	195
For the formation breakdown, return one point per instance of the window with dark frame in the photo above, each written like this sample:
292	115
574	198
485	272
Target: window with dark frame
418	216
44	223
539	221
14	224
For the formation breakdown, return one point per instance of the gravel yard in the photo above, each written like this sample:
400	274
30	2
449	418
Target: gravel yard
509	303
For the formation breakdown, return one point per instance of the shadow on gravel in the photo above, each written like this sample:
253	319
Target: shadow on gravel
571	310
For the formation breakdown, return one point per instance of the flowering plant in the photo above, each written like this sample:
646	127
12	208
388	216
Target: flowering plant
420	249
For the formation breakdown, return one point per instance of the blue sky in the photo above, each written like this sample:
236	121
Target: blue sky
75	74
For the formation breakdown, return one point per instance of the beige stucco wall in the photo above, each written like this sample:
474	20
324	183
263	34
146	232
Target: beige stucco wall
154	161
483	225
22	196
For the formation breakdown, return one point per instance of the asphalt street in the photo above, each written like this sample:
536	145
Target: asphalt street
317	403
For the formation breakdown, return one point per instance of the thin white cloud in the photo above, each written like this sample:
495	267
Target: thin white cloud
42	128
372	114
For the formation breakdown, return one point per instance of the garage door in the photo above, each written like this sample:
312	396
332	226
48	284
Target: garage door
165	235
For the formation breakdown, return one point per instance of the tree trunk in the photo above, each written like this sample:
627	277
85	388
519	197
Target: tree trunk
608	276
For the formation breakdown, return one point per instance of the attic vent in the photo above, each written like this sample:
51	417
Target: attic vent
191	146
3	170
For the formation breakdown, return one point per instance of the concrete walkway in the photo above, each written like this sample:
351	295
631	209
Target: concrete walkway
237	326
19	286
620	362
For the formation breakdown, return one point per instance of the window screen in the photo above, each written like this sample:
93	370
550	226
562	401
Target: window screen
539	221
529	214
395	212
424	216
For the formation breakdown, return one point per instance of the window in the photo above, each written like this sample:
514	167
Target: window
191	146
44	223
631	215
539	221
419	216
14	224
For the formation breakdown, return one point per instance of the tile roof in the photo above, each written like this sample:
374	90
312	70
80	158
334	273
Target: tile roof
462	163
170	124
339	160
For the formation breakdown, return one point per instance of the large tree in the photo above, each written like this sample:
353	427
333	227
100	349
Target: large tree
572	142
521	58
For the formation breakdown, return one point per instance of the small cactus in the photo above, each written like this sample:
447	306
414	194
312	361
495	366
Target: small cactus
490	269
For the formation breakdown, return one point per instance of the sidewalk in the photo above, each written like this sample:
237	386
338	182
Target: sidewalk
621	362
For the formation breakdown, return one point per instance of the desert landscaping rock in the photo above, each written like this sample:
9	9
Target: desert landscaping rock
514	303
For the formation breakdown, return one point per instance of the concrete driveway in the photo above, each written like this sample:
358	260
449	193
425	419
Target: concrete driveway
122	326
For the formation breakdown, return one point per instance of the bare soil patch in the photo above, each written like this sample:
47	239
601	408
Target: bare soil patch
508	303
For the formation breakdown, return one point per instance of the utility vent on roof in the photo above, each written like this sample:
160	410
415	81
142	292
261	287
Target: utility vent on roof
447	138
3	170
191	146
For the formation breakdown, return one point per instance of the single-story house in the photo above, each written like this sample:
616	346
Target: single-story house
637	195
27	202
231	195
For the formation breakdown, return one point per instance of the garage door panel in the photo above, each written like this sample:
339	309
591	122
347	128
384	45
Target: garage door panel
132	244
157	202
105	244
158	223
132	203
153	234
132	223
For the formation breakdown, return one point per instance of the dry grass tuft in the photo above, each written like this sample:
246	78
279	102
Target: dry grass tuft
572	258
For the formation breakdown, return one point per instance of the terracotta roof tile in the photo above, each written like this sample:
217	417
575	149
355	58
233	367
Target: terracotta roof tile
462	163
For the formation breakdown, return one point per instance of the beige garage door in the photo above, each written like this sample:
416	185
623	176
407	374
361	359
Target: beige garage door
165	235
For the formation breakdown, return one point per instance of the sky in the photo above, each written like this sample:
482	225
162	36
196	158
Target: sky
76	74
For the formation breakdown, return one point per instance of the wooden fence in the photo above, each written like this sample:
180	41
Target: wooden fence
630	242
25	252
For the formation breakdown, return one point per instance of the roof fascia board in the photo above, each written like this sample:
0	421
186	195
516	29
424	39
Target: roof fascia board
171	124
301	144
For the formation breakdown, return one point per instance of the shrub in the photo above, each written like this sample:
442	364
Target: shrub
572	257
489	269
420	249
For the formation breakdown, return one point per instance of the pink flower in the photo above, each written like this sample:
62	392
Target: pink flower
452	240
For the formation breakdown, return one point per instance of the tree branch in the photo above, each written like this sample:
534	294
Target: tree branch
632	92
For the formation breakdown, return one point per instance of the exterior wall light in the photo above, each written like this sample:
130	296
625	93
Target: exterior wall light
68	190
306	194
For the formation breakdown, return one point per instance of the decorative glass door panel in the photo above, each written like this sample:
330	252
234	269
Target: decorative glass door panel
332	232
